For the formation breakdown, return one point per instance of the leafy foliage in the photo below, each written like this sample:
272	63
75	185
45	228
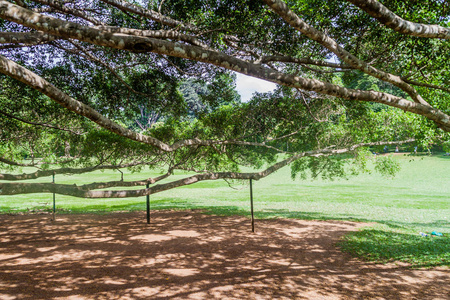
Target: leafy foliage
174	100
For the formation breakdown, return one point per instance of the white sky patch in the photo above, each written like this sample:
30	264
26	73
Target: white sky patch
247	85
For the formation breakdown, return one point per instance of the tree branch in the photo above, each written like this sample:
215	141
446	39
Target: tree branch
38	124
150	14
157	34
430	86
73	190
13	163
26	38
302	61
65	29
46	173
104	185
391	20
59	6
280	8
89	56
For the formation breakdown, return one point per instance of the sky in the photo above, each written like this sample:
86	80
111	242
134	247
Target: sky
247	85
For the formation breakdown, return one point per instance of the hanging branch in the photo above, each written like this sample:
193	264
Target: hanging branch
83	192
46	173
39	124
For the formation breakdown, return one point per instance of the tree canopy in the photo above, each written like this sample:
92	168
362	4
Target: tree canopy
111	84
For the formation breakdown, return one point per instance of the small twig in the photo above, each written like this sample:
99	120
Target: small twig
308	108
234	188
160	5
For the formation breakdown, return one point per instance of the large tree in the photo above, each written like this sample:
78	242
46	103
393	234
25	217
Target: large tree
101	83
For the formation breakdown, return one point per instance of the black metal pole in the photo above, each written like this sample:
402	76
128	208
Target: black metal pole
251	205
54	200
148	207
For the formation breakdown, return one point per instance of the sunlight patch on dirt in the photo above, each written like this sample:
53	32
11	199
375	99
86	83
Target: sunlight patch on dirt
195	256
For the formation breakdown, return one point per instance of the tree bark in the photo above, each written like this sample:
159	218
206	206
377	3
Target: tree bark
95	36
391	20
279	7
46	173
27	38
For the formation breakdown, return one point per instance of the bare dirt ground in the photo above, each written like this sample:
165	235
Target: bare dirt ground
189	255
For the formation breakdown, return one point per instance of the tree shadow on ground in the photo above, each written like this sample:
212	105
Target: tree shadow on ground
396	243
188	255
289	214
379	245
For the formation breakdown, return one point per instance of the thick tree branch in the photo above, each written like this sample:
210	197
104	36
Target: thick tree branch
46	173
17	46
35	164
73	190
157	34
14	163
36	37
279	7
26	38
150	14
158	17
104	185
59	6
54	26
322	71
22	74
391	20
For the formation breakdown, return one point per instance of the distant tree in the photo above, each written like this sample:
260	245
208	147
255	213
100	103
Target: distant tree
202	96
192	90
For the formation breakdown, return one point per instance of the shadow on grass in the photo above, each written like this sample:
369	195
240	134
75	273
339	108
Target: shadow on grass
384	246
233	211
288	214
126	207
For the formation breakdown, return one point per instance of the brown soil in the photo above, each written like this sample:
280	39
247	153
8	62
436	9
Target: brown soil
189	255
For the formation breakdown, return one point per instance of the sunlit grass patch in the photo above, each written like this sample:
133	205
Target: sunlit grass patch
384	244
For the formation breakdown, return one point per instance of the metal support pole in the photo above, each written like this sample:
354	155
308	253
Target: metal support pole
54	201
148	207
251	205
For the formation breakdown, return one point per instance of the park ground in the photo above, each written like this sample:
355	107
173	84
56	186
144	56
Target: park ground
345	239
192	255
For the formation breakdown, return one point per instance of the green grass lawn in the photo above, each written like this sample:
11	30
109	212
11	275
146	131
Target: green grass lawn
416	200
